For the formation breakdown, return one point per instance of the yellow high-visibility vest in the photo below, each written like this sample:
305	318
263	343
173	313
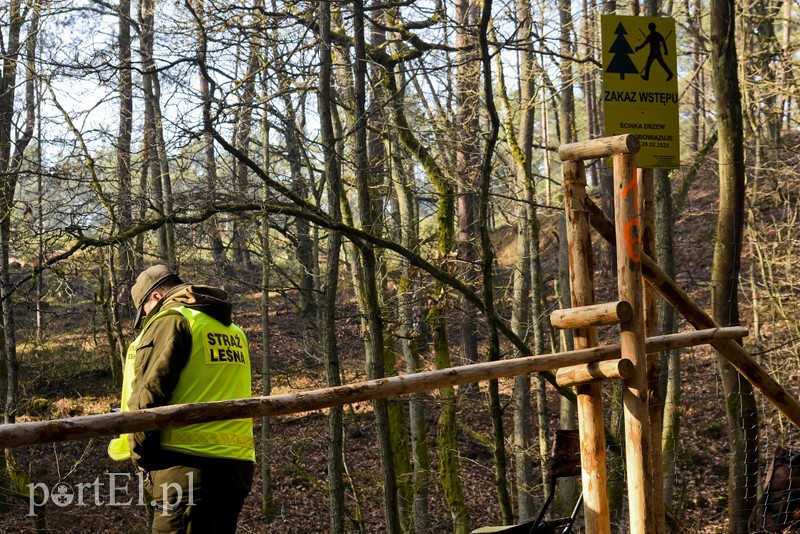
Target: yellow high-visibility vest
218	369
118	448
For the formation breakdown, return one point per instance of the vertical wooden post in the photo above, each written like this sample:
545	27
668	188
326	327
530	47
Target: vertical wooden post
590	400
637	419
655	403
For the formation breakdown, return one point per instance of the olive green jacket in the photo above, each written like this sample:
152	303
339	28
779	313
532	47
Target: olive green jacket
161	355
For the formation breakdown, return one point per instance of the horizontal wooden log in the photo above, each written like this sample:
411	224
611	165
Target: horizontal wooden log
603	147
697	317
92	426
594	372
595	315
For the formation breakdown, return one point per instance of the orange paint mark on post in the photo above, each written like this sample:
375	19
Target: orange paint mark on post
631	186
633	243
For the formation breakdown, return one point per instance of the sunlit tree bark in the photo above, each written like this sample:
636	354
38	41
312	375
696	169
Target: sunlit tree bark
10	164
125	207
739	396
155	163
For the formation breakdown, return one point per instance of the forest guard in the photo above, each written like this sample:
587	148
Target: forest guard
196	476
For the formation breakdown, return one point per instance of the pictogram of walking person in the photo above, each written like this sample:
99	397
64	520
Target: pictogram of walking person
656	42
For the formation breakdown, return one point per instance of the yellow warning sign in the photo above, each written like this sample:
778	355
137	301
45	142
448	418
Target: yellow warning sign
640	86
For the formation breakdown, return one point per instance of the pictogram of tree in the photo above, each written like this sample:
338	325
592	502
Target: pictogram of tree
621	63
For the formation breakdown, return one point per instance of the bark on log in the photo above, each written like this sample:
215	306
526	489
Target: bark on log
595	315
599	148
594	372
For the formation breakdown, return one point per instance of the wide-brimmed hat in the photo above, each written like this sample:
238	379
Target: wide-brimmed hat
146	282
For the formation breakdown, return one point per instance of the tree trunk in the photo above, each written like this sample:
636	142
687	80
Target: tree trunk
487	265
150	151
568	135
124	202
116	338
568	414
785	74
268	509
467	134
125	206
10	165
209	159
694	20
385	201
408	313
304	248
408	319
523	423
306	257
244	125
670	360
374	335
327	308
164	175
447	427
589	82
739	397
520	148
608	258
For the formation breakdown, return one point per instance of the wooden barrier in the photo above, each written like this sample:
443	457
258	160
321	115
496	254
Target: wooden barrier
629	228
697	317
599	148
110	424
597	315
594	372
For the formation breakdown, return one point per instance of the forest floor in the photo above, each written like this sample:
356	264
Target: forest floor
68	375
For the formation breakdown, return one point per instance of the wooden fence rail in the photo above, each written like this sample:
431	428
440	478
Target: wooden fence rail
92	426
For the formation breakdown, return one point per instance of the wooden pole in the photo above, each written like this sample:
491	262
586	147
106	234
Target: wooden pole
597	519
603	147
597	315
697	317
637	419
594	372
93	426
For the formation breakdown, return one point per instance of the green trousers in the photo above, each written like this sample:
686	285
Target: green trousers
192	500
